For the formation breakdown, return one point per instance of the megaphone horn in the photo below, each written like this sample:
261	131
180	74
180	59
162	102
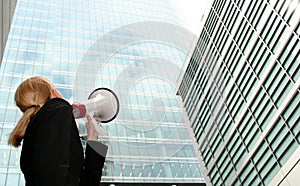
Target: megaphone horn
103	102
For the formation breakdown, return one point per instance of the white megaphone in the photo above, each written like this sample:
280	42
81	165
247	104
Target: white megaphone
102	103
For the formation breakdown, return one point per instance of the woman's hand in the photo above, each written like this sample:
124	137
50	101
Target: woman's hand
92	134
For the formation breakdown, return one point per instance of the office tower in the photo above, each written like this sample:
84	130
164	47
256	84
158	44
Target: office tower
241	92
137	49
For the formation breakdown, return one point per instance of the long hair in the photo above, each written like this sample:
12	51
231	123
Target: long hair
30	96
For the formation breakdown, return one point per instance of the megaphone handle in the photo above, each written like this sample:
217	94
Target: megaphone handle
98	127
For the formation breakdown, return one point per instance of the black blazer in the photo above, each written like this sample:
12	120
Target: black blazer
52	153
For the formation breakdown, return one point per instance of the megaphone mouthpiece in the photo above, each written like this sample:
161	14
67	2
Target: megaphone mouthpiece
79	110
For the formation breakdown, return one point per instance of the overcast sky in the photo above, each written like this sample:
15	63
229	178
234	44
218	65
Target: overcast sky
192	10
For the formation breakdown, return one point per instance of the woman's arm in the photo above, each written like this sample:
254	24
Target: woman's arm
93	164
95	154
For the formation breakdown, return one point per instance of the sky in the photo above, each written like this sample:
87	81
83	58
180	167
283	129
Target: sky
192	10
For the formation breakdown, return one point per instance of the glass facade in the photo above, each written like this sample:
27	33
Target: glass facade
241	92
137	49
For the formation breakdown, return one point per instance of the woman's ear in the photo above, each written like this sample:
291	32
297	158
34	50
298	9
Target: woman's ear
56	94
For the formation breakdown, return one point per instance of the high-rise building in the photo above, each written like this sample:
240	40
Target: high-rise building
241	92
137	49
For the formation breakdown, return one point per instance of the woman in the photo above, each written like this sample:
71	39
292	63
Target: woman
52	153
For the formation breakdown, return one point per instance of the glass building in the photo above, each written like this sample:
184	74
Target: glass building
241	92
137	49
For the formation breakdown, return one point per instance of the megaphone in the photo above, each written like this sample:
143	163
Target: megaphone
102	102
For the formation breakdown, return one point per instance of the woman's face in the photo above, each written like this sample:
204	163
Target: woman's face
56	94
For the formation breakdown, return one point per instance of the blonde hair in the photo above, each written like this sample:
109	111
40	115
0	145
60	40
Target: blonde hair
29	97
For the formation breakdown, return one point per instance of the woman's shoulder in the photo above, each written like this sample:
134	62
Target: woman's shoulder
55	105
57	102
53	109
